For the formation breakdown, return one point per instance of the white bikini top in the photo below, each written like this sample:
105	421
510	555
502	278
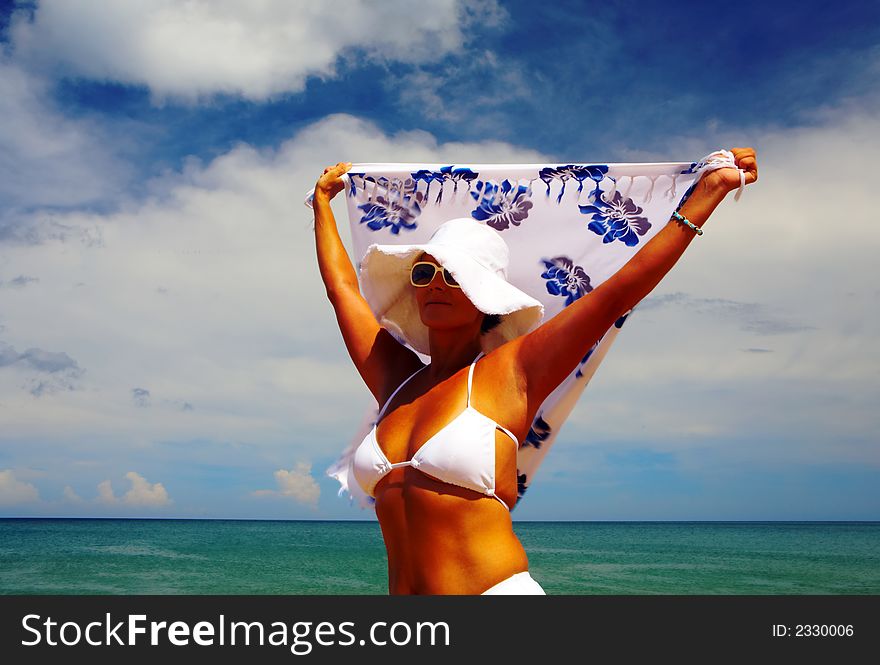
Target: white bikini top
462	453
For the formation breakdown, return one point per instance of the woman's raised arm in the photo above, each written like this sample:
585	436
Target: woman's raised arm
379	358
548	354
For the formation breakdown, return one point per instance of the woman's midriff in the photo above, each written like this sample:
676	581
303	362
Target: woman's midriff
443	539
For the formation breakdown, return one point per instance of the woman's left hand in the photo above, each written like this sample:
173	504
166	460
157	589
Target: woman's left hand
727	179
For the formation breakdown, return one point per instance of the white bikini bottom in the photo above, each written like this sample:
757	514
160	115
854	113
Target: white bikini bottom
520	584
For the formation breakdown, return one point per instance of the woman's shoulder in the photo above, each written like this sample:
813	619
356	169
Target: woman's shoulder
499	366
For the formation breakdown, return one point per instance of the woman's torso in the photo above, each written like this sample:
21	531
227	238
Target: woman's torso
442	538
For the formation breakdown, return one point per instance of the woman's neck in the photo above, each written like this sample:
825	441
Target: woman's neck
449	353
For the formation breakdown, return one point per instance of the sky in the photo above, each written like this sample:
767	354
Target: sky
166	346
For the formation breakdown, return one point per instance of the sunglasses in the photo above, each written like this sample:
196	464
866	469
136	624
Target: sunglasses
423	272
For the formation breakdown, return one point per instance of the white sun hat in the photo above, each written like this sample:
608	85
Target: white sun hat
476	256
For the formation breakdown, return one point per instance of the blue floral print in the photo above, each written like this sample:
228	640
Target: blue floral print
352	190
458	175
538	433
617	324
446	173
501	206
397	209
564	278
521	488
618	219
686	196
578	374
593	216
595	172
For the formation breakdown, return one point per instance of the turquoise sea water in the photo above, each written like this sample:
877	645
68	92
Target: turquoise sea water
126	556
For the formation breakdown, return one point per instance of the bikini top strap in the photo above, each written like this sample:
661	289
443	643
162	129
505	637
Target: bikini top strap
471	377
405	381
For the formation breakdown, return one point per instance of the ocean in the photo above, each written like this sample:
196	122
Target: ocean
159	556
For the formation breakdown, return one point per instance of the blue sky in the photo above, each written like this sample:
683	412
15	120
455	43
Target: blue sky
165	346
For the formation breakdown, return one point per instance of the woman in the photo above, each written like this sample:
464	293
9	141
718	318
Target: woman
441	461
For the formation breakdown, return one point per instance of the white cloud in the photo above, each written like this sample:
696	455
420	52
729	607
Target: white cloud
47	160
46	372
71	495
256	49
244	331
144	493
141	492
489	86
297	484
105	493
14	491
789	268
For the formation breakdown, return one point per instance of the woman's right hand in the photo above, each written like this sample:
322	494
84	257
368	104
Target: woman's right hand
330	183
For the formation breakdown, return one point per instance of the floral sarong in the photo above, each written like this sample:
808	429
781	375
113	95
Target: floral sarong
569	227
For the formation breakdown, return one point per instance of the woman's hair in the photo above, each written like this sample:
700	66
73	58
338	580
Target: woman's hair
489	322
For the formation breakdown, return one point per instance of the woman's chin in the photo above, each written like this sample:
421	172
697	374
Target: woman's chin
440	322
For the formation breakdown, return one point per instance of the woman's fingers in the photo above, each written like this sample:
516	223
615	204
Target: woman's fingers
341	167
750	166
745	159
330	182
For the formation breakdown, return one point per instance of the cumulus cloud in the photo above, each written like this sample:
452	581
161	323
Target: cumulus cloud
257	50
14	491
225	350
141	493
105	493
297	484
769	273
71	495
245	330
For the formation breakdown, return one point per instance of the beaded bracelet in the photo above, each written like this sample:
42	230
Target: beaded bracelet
687	222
